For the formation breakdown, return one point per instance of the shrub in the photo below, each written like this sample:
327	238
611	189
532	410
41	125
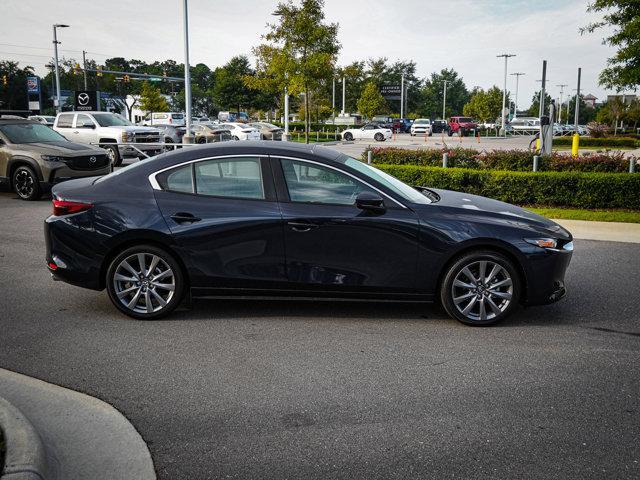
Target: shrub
511	160
597	130
560	189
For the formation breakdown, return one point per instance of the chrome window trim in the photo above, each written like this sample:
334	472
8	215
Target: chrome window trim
156	186
343	172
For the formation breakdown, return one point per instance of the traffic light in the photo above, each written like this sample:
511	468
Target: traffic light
77	69
99	72
5	80
126	79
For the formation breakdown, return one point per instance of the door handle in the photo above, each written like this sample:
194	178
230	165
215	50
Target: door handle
301	226
184	217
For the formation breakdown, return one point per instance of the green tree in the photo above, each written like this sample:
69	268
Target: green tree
230	91
621	16
13	96
585	114
371	102
300	52
151	100
534	109
432	94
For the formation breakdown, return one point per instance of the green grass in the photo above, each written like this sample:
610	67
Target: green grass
625	216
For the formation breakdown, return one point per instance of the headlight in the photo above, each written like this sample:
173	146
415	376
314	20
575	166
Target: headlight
542	242
128	136
51	158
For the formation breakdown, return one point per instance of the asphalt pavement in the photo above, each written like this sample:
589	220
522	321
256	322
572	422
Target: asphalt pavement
287	390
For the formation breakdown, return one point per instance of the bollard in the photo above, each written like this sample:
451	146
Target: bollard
575	145
478	136
536	161
369	155
445	159
632	165
317	136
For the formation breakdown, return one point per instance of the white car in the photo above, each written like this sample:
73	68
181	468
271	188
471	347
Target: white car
241	131
421	126
44	119
370	131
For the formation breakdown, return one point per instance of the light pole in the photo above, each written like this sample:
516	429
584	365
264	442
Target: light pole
540	103
344	96
84	67
562	85
444	98
333	100
504	91
515	109
55	52
402	96
187	138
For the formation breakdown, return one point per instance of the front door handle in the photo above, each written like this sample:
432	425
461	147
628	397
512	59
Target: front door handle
301	226
184	217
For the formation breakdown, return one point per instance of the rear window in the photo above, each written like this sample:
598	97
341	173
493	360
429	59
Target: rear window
179	179
65	120
177	116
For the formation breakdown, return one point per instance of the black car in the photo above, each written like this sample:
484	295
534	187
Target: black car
438	126
278	219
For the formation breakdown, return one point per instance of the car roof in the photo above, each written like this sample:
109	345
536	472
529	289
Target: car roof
12	121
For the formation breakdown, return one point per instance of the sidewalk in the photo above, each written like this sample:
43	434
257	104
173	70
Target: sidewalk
84	438
606	231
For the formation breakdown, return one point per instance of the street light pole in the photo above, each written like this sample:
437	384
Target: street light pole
562	85
55	52
333	101
187	74
402	96
344	96
504	91
84	67
444	98
515	109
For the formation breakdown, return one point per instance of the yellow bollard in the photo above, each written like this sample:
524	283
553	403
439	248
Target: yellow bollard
537	144
575	145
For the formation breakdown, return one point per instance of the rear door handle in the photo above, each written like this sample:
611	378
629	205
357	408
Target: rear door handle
184	217
301	226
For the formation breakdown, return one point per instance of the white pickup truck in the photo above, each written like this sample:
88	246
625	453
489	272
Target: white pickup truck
107	128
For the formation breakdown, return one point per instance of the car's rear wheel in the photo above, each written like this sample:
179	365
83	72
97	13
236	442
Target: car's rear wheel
145	282
25	183
480	288
169	142
379	137
113	154
348	136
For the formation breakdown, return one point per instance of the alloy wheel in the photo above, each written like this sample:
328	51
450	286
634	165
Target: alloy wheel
144	283
24	184
482	290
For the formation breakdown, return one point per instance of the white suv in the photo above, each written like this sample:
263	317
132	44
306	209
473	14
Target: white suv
421	126
164	118
107	128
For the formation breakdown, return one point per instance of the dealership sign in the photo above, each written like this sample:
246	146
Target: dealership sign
86	100
391	91
33	85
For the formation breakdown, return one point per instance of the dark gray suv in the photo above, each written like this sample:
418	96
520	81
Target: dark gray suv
33	157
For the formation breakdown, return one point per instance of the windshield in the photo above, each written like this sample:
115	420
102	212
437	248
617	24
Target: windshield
392	183
30	133
465	120
111	120
422	120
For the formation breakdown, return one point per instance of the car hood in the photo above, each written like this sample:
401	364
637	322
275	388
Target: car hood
134	129
498	211
68	149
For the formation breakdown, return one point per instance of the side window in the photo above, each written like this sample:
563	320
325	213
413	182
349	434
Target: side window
232	177
178	179
312	183
83	120
65	120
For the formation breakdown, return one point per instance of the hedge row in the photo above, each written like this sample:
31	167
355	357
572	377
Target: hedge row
558	189
606	142
321	127
512	160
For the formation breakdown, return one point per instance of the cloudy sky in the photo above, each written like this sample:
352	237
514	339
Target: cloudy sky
462	34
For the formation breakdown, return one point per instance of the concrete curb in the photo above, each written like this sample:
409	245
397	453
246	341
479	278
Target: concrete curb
25	457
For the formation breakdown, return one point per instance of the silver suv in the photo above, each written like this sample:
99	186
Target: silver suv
106	128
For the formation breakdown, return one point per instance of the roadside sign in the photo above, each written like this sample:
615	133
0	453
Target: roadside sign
391	91
33	85
86	100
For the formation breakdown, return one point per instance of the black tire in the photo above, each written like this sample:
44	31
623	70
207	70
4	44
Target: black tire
113	153
145	285
348	136
236	138
201	140
378	137
456	299
431	134
170	142
25	183
449	132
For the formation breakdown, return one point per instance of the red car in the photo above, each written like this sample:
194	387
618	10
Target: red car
462	126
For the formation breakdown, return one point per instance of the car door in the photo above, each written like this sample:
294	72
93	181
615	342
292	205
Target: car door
332	245
84	130
224	218
368	131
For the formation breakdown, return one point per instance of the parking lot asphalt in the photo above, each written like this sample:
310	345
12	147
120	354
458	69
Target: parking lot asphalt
266	389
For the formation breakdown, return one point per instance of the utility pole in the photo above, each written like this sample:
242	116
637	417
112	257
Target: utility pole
517	75
84	68
444	98
402	96
188	137
333	101
504	91
577	111
344	96
55	52
540	102
562	85
285	137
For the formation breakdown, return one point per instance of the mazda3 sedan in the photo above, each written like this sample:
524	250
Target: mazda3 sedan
282	220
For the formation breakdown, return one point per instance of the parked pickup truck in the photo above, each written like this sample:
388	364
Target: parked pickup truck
108	128
462	126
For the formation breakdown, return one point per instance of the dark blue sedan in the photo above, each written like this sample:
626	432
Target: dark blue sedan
278	219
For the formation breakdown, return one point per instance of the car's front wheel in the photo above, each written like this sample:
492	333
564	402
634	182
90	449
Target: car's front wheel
113	154
480	288
25	183
379	137
145	282
348	136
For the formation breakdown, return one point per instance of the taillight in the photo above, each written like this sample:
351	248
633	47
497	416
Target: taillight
64	207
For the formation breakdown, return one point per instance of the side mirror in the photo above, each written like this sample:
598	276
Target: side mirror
370	202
